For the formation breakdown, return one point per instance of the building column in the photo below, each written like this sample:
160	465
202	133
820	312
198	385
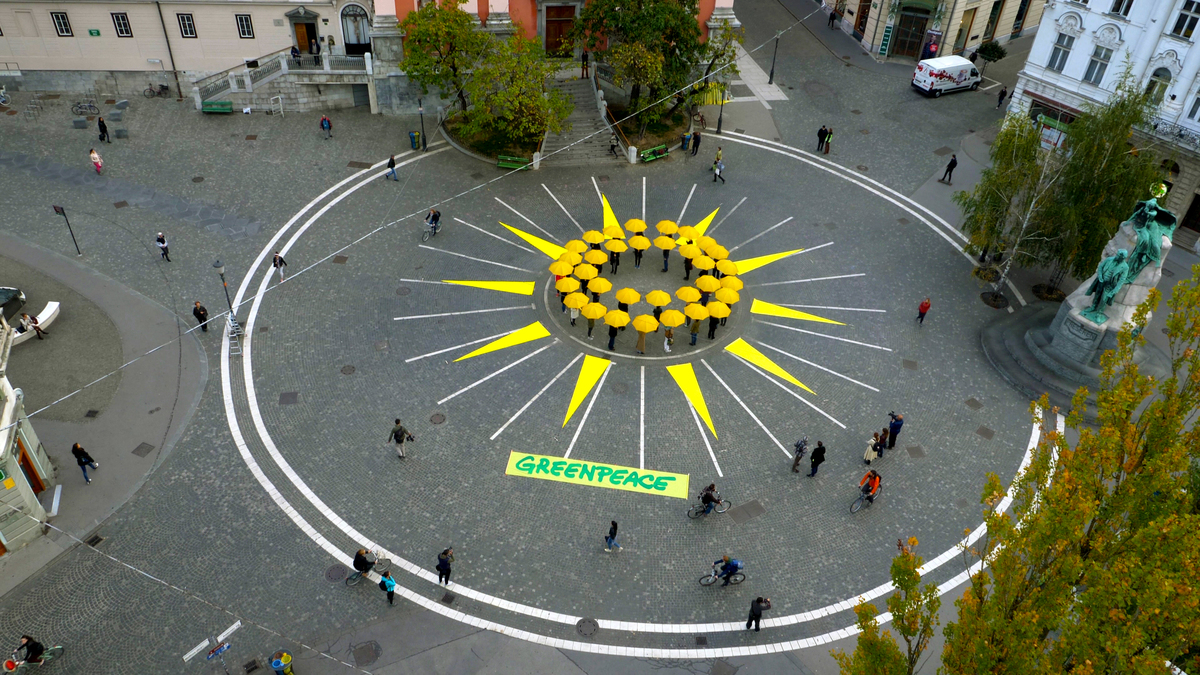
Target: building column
723	11
498	19
1161	13
387	43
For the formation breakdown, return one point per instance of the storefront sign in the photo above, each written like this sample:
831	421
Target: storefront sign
598	475
93	32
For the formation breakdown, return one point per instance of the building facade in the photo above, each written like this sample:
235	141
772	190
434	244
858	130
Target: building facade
1080	55
922	29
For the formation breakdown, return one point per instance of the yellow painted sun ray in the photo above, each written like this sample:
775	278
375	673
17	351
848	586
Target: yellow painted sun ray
610	218
518	287
743	349
550	249
685	377
589	374
534	331
760	307
749	264
702	226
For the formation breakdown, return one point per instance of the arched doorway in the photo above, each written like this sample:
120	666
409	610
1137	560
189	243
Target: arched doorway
356	30
910	31
1157	86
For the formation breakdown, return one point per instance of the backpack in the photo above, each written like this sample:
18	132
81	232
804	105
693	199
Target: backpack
737	564
382	585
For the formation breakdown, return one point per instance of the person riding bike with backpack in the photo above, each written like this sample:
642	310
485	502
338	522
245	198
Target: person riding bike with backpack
708	497
728	568
870	484
361	563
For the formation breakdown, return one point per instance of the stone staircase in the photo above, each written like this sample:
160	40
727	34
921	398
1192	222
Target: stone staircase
585	121
1187	239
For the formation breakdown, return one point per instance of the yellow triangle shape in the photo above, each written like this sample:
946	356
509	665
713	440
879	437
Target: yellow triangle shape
550	249
534	331
685	377
610	218
518	287
589	374
760	307
744	349
702	226
749	264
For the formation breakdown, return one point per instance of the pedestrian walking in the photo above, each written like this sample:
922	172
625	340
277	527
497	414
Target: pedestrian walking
695	142
948	176
327	126
657	313
201	314
615	259
279	263
612	145
828	139
103	131
399	434
584	58
833	17
720	153
443	565
84	460
713	322
872	449
612	337
388	584
695	329
801	446
922	309
96	161
883	441
637	258
30	323
894	428
687	266
574	315
610	542
1000	98
718	169
641	343
666	258
392	169
622	307
591	326
163	247
756	611
818	456
821	138
668	339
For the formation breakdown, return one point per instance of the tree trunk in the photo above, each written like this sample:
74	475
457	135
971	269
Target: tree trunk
634	95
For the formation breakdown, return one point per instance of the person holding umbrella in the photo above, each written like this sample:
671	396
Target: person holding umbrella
591	312
615	319
696	313
658	299
597	286
643	324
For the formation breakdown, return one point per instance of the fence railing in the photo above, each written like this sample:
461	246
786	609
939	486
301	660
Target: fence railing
338	62
224	74
266	70
1173	132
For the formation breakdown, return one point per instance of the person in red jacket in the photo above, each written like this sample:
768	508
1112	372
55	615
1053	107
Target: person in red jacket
921	310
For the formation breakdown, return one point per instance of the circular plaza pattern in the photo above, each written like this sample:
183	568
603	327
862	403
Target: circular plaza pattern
465	339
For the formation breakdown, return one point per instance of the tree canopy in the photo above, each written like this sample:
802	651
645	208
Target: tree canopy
508	93
442	46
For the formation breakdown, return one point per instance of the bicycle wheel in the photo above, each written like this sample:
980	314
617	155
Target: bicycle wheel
354	578
722	506
381	564
149	93
425	235
695	512
708	580
857	504
737	578
52	653
76	109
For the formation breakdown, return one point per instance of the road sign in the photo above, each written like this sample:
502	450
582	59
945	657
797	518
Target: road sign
229	631
217	651
195	650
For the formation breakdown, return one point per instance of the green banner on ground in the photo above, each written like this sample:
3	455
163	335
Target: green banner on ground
609	476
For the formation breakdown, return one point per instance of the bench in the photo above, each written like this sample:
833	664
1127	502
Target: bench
223	107
45	318
654	153
505	162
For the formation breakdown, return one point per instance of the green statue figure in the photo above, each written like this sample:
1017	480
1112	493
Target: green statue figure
1151	224
1111	275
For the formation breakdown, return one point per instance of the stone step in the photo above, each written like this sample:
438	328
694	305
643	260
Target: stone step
1185	238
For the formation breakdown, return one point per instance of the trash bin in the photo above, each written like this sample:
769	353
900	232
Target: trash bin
686	138
282	663
414	137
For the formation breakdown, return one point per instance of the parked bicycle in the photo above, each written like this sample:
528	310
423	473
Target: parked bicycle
381	565
85	108
698	510
711	578
12	665
698	118
161	90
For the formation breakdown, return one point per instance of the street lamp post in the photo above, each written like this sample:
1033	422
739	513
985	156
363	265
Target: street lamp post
771	79
721	114
234	328
421	110
63	212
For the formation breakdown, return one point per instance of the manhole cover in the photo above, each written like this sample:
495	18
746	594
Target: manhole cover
143	449
449	598
602	179
970	131
94	541
861	167
403	290
381	346
263	329
621	387
910	365
252	137
336	573
367	653
856	112
701	640
359	165
1167	273
289	398
340	259
915	451
745	512
437	418
197	179
902	221
974	404
985	432
864	132
961	503
587	627
94	413
347	370
830	226
120	204
943	151
477	175
110	101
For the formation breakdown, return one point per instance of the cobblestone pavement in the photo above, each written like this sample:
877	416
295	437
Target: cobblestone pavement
203	522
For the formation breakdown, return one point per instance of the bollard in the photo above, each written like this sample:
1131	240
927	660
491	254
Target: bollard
282	663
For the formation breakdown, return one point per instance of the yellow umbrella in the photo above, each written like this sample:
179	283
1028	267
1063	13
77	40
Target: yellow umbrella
696	311
705	242
645	323
665	243
688	232
575	300
717	252
708	283
690	251
628	296
666	227
718	309
688	294
703	263
593	237
616	318
596	257
599	285
658	298
567	284
635	225
732	283
614	232
639	242
672	318
575	246
728	296
594	310
561	268
586	272
726	266
571	259
616	246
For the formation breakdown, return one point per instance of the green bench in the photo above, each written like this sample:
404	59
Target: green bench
505	162
654	153
217	107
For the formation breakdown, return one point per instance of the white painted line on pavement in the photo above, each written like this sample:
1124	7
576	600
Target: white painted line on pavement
782	222
805	281
599	195
642	424
726	216
846	309
463	313
817	366
679	220
588	411
465	344
704	435
514	364
535	397
644	199
782	386
522	215
482	260
495	236
747	409
560	205
831	337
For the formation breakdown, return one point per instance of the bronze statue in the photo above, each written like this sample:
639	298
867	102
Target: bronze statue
1111	275
1151	224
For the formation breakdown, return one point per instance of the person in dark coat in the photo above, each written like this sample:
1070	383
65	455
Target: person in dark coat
103	130
666	258
948	176
818	456
591	325
695	330
612	337
399	434
821	138
657	313
713	322
615	259
637	258
610	541
201	314
583	58
687	269
392	169
695	142
443	565
624	307
883	442
84	460
894	428
1003	95
756	611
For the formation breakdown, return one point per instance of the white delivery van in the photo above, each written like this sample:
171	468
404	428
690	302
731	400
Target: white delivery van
933	77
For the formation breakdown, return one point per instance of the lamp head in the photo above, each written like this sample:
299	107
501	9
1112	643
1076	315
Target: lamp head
219	267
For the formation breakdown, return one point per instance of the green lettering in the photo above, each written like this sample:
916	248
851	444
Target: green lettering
618	476
571	469
631	478
556	468
660	483
587	472
543	465
604	471
525	464
642	481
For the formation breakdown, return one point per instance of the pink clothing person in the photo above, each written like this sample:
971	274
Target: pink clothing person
96	161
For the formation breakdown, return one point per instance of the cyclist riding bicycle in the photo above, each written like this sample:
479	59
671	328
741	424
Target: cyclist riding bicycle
708	497
361	564
728	568
870	484
32	648
433	219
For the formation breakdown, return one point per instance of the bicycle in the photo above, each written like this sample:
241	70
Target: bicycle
381	565
711	578
862	497
431	230
162	90
697	510
85	108
12	665
698	118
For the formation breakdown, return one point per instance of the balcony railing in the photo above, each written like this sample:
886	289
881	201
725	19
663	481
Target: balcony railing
1173	133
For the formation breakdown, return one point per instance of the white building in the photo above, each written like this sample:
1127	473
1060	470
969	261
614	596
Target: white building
1081	51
